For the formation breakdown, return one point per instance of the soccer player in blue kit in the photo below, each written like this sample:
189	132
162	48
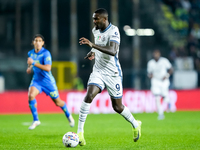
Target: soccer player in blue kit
39	60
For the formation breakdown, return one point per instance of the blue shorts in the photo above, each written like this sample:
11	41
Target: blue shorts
50	89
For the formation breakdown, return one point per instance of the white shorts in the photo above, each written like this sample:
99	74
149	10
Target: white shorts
159	87
112	83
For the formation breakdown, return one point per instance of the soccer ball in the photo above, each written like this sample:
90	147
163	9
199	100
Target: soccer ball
70	139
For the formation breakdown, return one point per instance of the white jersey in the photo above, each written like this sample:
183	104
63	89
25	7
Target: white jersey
104	63
159	68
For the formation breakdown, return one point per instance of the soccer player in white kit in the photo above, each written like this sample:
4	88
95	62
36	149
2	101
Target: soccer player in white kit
106	72
159	70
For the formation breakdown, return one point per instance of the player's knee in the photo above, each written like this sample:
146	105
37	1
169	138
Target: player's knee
31	96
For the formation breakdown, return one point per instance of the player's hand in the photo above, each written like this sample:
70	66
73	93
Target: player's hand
29	61
28	70
85	41
150	76
166	77
90	55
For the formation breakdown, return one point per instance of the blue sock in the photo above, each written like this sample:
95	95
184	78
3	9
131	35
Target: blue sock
33	107
64	108
169	106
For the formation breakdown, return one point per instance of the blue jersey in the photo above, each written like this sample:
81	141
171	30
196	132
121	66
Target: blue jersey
43	80
42	57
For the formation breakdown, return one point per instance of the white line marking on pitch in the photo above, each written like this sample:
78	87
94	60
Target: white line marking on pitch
26	123
29	123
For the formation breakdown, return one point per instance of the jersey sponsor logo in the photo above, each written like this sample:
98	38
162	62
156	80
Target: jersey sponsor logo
40	55
114	36
48	58
103	38
37	61
116	33
35	56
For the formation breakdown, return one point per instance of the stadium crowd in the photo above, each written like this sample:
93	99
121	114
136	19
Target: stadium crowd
187	23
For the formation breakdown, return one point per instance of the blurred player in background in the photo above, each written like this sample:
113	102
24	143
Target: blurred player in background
106	73
159	70
39	59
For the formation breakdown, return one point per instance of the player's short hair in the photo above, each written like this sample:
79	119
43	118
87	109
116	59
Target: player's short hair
39	35
102	11
156	50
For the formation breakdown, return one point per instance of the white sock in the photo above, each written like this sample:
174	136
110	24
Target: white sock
158	104
167	100
84	110
129	117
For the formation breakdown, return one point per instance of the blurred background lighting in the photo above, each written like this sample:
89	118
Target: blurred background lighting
126	27
139	32
130	32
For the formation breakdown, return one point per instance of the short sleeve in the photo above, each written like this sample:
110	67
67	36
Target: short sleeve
29	54
115	35
47	58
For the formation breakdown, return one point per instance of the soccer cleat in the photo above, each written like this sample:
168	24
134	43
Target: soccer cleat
161	117
34	124
137	131
82	141
71	121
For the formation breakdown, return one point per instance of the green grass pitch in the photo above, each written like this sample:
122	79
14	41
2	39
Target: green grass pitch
179	130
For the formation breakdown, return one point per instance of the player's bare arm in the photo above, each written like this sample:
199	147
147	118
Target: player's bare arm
90	55
110	50
150	75
43	67
169	72
29	68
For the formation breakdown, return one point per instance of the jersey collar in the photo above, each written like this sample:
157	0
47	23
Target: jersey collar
106	28
40	50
